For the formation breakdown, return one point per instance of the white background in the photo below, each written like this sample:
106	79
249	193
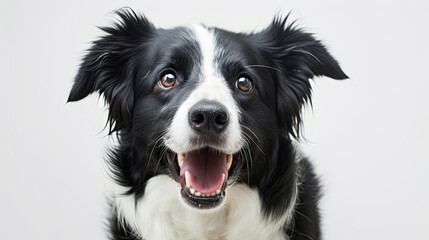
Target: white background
367	136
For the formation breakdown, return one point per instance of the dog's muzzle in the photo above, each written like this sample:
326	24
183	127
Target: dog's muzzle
205	173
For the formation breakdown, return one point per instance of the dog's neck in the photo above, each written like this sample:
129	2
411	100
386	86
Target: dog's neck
162	215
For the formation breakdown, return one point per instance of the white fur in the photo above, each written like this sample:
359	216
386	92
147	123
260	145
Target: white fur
212	87
162	215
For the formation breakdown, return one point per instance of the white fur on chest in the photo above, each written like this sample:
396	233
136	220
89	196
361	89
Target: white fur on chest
162	215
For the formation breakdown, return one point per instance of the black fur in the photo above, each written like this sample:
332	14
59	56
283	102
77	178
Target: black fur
125	65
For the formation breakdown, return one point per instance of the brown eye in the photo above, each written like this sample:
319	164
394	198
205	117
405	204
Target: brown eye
244	84
168	80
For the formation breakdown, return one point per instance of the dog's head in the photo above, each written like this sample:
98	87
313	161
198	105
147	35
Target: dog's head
203	105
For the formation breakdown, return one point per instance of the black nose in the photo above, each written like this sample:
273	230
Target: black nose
208	117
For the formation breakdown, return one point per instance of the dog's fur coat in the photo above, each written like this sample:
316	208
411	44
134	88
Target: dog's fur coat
256	84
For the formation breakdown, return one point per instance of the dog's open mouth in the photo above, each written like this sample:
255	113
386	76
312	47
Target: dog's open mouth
204	175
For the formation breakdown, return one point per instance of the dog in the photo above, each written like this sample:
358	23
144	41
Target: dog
207	122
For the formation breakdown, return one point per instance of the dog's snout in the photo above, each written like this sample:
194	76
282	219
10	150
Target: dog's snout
208	117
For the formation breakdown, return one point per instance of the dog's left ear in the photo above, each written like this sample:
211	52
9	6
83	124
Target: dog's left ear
299	57
108	66
298	51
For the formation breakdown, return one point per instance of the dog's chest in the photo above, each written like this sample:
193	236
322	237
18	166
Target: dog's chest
161	215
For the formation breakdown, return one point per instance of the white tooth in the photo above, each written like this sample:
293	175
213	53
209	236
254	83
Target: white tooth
188	179
203	195
218	191
197	194
212	194
228	161
192	190
180	159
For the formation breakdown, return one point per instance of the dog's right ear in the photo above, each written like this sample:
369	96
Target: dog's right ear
107	68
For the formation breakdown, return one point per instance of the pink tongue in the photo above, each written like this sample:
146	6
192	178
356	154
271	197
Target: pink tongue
206	169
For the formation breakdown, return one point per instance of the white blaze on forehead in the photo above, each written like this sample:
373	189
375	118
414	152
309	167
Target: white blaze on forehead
207	43
213	87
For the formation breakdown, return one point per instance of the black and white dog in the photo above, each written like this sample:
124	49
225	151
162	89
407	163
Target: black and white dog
206	121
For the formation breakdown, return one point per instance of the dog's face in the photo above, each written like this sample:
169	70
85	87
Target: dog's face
202	105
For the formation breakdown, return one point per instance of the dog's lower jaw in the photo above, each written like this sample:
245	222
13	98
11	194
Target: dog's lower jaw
161	215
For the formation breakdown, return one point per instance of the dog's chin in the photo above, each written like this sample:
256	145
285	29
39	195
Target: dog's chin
204	175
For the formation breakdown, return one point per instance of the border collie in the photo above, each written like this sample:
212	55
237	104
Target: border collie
206	121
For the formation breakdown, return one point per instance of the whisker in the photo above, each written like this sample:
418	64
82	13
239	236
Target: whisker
251	139
247	164
249	152
264	66
163	153
251	131
153	148
155	143
250	156
246	154
161	134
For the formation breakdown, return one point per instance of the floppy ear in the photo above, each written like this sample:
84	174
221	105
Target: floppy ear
108	67
299	57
